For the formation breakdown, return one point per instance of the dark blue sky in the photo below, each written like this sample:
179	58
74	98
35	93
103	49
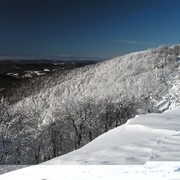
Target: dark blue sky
95	28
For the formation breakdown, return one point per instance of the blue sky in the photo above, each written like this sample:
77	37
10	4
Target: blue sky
94	28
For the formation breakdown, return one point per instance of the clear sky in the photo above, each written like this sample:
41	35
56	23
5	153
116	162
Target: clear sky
94	28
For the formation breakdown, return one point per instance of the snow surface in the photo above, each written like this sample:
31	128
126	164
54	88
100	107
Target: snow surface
151	170
147	147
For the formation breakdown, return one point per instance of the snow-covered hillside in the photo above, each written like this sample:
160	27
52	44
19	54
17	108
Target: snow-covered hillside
79	105
151	140
151	137
150	78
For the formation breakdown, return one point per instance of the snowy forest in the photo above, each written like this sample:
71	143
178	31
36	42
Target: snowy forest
25	139
69	110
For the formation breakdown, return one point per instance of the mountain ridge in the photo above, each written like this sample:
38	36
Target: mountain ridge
150	76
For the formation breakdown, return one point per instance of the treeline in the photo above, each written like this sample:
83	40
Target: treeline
26	139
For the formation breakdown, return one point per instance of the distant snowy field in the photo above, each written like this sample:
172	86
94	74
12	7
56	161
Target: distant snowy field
146	147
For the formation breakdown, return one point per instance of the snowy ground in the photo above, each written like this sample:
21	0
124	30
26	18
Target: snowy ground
146	147
151	170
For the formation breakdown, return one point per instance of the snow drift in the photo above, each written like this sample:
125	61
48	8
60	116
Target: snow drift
151	140
151	137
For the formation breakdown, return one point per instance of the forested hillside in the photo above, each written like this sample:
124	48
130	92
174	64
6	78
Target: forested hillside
70	110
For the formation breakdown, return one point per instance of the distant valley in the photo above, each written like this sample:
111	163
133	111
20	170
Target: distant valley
16	72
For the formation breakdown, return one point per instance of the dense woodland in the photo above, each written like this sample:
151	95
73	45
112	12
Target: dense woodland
55	114
27	140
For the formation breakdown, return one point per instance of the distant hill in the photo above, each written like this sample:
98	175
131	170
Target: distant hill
21	66
22	77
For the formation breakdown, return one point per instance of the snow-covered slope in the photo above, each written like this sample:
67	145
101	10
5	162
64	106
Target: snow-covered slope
149	171
150	78
151	140
151	137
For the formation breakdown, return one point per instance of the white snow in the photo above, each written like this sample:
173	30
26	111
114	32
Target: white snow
151	170
38	73
46	70
146	147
